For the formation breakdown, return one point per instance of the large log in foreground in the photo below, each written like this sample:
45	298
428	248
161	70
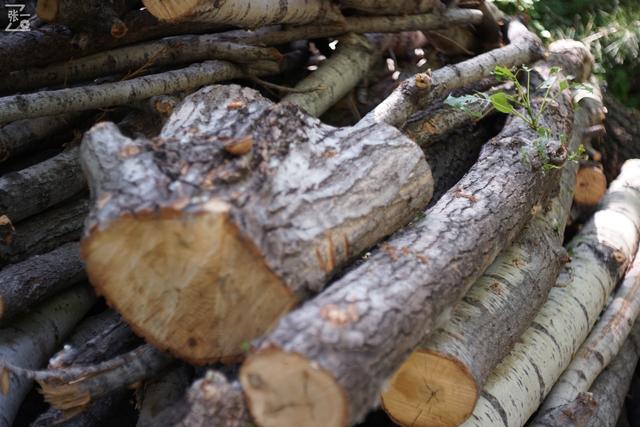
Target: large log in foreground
600	255
441	381
328	360
238	206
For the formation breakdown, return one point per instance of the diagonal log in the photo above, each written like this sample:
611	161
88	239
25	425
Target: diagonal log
577	413
264	218
344	344
600	255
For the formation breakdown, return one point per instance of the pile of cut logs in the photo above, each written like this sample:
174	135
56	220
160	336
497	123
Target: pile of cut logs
232	213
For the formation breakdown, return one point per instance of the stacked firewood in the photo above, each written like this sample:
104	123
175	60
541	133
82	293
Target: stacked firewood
271	213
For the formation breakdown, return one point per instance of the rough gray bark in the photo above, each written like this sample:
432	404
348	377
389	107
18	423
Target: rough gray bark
354	335
219	168
33	338
170	51
245	13
45	232
396	7
577	413
610	389
162	392
27	283
47	103
26	135
36	188
415	93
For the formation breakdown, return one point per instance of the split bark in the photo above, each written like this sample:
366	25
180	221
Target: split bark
603	343
245	13
47	103
45	232
611	387
36	188
340	342
229	177
32	339
34	280
415	93
600	255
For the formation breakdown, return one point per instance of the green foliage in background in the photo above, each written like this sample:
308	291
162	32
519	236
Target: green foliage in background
610	28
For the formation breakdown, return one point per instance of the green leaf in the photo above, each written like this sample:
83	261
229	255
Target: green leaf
500	101
470	104
564	85
503	73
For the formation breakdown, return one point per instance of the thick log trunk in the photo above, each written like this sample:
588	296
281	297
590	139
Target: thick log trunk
33	338
94	16
32	281
36	188
45	232
577	413
346	342
603	343
232	179
611	387
600	255
161	393
441	381
245	13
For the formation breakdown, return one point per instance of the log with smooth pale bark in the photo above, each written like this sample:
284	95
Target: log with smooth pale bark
221	215
612	385
600	254
45	232
32	190
344	344
32	281
245	13
33	338
602	344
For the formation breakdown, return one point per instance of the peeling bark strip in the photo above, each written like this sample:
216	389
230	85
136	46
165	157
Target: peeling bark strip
38	278
345	343
455	362
417	92
36	188
339	74
396	7
32	339
175	50
264	217
611	387
577	413
245	13
600	254
109	94
603	343
45	232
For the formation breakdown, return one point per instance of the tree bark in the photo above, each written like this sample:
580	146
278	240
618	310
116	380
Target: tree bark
232	179
95	16
244	13
415	93
37	188
603	343
600	255
38	278
577	413
440	382
351	338
395	7
32	339
45	232
611	387
162	392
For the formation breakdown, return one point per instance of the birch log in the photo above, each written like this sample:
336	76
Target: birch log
245	13
577	413
603	343
36	188
440	382
34	280
264	217
600	255
612	385
328	360
32	339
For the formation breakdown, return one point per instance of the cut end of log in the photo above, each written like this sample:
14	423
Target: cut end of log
118	29
170	10
285	389
47	10
188	283
430	389
591	184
